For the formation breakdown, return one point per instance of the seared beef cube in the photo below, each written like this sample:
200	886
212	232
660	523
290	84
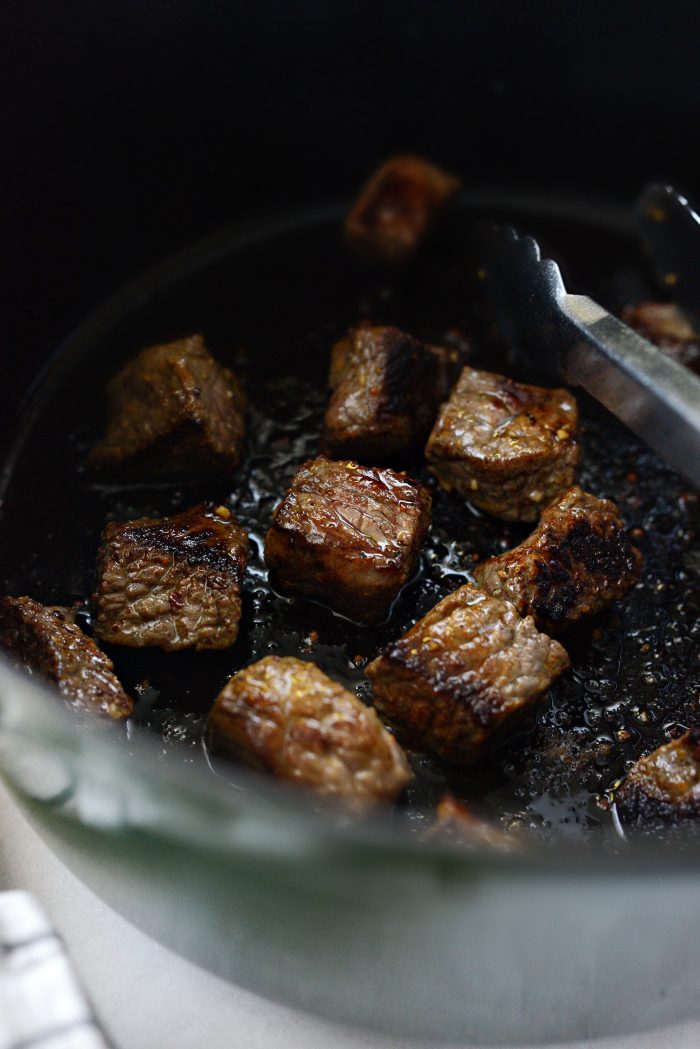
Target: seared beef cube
173	582
174	410
387	388
348	535
664	786
669	328
461	677
285	716
578	561
47	641
455	822
397	209
509	448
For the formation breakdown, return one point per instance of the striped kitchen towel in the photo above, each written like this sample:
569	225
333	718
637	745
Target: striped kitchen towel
42	1005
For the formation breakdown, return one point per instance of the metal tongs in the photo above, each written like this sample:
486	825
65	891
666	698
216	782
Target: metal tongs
574	337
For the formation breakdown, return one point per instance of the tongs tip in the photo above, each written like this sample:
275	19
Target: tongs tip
506	254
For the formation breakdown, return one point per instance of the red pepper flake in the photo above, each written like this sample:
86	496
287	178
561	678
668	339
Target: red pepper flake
176	601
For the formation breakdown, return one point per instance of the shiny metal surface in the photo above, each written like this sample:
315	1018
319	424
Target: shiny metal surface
582	343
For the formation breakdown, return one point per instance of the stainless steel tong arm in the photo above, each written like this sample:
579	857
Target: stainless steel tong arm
658	398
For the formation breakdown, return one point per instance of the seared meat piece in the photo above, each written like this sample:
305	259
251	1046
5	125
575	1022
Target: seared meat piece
397	209
285	716
455	822
576	562
663	786
669	328
173	582
174	410
348	535
387	388
509	448
47	641
463	674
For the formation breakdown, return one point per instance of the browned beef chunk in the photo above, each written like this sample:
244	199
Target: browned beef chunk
387	388
397	208
173	582
348	535
576	562
47	641
455	822
174	410
663	786
463	674
669	328
285	716
509	448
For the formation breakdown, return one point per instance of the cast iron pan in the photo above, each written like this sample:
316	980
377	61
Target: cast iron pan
270	301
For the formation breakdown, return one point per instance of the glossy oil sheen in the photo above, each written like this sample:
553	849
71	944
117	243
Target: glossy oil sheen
271	310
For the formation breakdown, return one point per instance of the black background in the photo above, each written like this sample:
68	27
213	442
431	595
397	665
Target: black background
132	127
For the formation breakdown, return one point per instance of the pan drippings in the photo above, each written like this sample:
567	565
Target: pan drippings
271	311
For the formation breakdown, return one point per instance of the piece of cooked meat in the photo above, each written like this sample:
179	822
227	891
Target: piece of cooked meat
285	716
47	641
461	677
173	410
397	209
387	388
455	822
507	447
578	561
664	786
669	328
173	582
348	535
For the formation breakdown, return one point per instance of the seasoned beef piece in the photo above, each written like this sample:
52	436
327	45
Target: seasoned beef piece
576	562
669	328
664	786
173	582
348	535
285	716
509	448
397	208
174	410
461	676
455	822
47	641
387	388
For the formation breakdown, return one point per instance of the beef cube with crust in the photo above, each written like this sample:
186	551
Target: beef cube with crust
669	328
507	447
397	209
348	535
387	388
285	716
464	674
664	786
173	582
578	561
47	641
173	410
455	822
